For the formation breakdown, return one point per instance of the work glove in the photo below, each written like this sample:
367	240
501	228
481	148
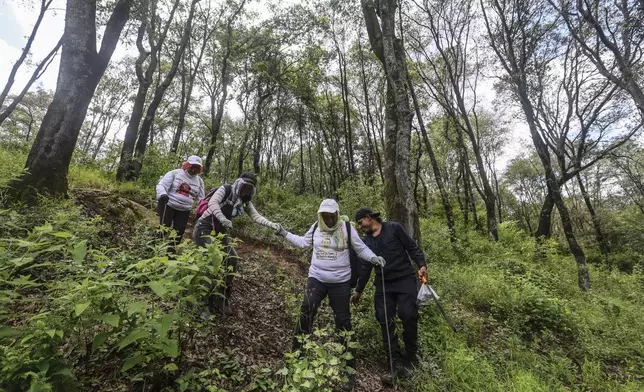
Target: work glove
378	261
164	198
281	231
227	224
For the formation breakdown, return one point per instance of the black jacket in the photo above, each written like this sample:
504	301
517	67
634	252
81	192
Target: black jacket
397	248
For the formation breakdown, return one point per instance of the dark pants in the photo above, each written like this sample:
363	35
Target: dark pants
169	217
339	298
204	228
400	297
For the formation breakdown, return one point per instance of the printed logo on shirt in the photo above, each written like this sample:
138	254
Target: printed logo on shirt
184	189
326	254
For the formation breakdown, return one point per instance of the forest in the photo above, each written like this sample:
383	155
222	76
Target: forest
505	136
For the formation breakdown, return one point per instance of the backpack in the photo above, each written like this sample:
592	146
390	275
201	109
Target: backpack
353	256
202	206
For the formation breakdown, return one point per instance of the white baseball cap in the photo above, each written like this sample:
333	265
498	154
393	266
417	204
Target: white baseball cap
329	205
194	160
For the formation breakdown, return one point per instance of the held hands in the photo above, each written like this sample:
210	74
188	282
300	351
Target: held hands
378	261
280	230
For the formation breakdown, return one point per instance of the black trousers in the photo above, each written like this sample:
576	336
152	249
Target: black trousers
339	298
399	298
169	217
203	228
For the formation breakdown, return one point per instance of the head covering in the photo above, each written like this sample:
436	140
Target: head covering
329	205
244	179
249	178
193	160
364	212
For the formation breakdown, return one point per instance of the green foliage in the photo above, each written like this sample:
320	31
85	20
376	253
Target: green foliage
361	192
319	365
57	290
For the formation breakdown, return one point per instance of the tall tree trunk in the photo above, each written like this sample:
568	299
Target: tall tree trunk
183	110
146	126
447	206
599	235
370	124
545	218
81	68
554	188
300	127
400	205
145	79
215	124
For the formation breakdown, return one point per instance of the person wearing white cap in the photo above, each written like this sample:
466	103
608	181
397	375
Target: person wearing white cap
330	271
177	192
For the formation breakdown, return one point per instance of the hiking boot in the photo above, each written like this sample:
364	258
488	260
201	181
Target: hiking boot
400	373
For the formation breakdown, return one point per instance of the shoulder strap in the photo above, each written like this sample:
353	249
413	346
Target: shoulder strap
348	224
315	227
229	190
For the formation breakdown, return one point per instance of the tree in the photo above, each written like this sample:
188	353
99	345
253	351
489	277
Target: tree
156	36
38	71
381	28
455	72
610	34
81	68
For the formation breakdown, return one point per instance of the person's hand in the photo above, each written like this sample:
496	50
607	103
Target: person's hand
378	261
227	224
355	298
422	272
164	198
281	231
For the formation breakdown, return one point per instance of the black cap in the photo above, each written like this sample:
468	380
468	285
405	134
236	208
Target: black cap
250	178
366	212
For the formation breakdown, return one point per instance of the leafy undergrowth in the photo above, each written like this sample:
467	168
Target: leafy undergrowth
89	300
522	322
85	309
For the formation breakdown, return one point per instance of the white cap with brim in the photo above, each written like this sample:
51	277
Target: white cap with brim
329	205
194	160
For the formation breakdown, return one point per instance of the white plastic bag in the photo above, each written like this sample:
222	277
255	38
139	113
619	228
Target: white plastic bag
424	294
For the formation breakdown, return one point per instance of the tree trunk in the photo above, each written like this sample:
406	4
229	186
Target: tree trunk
447	206
599	235
125	169
183	110
370	123
554	188
300	131
215	124
545	218
399	198
146	126
81	68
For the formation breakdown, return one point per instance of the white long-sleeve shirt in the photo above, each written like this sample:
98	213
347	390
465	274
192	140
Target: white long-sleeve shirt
182	189
330	261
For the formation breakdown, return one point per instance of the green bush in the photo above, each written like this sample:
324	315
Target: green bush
319	365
